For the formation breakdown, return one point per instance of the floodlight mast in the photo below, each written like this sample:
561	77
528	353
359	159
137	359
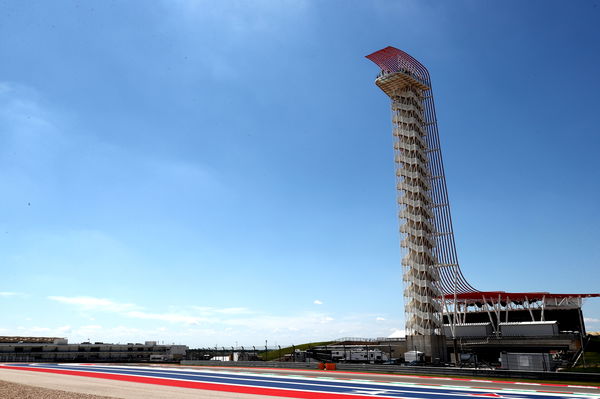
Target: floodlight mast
430	264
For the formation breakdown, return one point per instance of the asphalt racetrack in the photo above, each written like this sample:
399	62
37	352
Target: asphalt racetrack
201	382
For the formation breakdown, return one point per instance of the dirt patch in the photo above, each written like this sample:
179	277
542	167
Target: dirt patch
19	391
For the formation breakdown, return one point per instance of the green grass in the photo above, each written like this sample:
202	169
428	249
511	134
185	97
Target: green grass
592	358
592	364
275	353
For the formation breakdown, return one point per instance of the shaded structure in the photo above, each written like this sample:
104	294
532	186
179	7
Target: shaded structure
435	290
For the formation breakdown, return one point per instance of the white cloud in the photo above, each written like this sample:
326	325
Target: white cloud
169	317
210	311
91	303
233	311
317	302
128	309
203	325
64	329
222	331
591	320
7	294
91	327
379	318
45	331
397	334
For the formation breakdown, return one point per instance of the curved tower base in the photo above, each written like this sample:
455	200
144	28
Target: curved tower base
434	347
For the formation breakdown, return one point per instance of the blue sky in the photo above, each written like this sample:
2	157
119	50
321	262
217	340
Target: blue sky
220	172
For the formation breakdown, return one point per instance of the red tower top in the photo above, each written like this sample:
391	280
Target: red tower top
397	65
390	59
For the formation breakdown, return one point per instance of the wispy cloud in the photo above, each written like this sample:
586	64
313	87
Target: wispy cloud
209	311
237	17
39	142
5	294
168	317
591	320
29	128
317	302
60	331
91	303
193	315
229	324
235	22
124	309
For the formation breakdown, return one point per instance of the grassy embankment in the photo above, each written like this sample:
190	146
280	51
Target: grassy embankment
274	354
592	358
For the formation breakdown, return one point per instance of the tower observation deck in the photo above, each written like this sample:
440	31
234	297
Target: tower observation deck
435	290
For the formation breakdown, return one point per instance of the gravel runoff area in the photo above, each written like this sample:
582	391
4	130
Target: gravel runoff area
11	390
17	384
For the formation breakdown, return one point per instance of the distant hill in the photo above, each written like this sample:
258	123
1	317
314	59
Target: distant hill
274	354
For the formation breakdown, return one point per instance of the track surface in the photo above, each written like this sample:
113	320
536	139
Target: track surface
295	384
431	380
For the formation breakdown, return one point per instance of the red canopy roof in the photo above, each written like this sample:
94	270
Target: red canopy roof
513	296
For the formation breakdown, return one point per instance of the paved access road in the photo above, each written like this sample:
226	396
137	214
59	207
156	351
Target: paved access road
296	384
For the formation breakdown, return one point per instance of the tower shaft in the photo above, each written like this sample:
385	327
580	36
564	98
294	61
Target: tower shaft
427	237
435	290
413	182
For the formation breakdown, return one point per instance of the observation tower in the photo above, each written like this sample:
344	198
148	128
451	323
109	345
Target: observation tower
438	299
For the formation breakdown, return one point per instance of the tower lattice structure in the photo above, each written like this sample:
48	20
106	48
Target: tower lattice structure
430	264
413	182
435	290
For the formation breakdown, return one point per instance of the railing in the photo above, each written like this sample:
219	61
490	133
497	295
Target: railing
384	73
356	339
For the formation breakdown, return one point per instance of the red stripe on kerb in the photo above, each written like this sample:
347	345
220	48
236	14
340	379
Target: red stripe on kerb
197	385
